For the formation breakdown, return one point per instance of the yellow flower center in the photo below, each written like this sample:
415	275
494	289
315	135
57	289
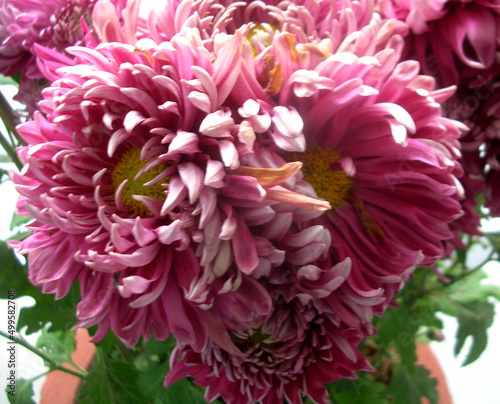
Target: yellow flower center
334	186
127	168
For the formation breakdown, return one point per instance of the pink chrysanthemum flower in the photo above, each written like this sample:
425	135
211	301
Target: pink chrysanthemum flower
310	337
294	352
135	181
374	144
24	23
54	24
450	37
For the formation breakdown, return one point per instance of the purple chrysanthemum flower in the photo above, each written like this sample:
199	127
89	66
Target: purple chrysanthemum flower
450	37
477	104
374	144
135	181
24	23
292	353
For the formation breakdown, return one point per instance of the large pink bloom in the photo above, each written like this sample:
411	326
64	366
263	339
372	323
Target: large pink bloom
135	182
375	145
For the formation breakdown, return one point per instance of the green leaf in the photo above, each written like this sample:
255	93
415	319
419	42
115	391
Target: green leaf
8	80
23	393
61	314
399	326
410	388
11	270
18	220
470	288
59	345
155	355
182	391
358	391
110	382
474	319
14	275
151	383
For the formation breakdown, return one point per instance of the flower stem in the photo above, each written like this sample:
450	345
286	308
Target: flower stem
10	124
53	365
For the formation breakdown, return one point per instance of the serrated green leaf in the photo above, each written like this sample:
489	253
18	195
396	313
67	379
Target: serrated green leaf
182	391
59	345
110	382
61	314
108	343
398	326
470	288
14	275
474	319
23	393
410	388
11	269
358	391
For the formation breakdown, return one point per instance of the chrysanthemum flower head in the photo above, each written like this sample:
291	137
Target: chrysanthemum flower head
135	181
54	24
450	37
291	354
306	341
375	145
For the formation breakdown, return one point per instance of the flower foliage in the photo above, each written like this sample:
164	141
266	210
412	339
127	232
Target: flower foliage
257	179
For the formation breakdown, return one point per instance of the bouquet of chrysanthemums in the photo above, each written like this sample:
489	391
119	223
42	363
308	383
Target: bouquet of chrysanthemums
231	195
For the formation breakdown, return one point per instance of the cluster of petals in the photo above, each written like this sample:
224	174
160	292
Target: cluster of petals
56	24
460	35
305	342
398	200
294	352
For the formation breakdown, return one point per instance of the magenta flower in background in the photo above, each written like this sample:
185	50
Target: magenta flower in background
23	23
477	104
54	24
449	37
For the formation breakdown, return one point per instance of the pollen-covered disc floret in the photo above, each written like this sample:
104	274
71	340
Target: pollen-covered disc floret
329	182
128	179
